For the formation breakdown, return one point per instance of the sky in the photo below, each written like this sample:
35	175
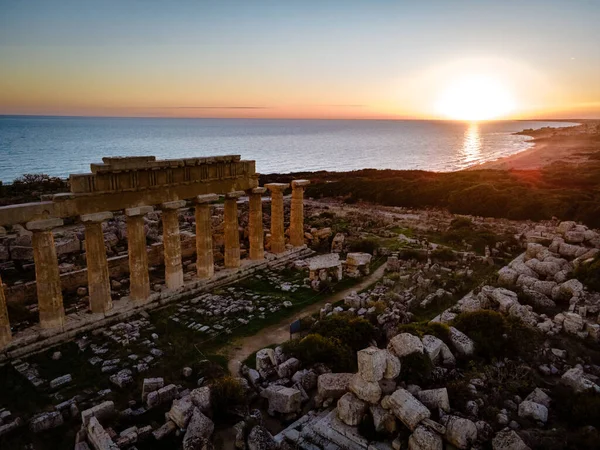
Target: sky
399	59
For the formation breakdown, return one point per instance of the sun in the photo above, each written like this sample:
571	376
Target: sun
475	97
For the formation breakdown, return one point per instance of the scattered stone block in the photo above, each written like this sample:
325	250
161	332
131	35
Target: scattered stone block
365	390
350	409
201	398
461	342
423	438
508	440
122	378
533	411
181	411
372	363
103	411
151	385
99	437
282	399
407	408
61	381
462	433
434	399
333	385
199	429
164	430
405	344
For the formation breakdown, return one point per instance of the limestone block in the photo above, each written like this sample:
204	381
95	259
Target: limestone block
282	399
103	411
260	439
383	420
333	385
462	433
46	421
573	323
44	224
504	298
434	399
98	436
265	359
181	411
405	344
164	431
575	379
122	378
371	363
199	429
350	409
392	366
288	368
151	385
508	440
201	398
365	390
461	342
533	411
432	347
570	288
423	438
407	408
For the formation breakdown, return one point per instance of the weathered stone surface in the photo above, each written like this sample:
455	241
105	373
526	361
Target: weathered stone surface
201	398
199	429
102	411
533	411
365	390
282	399
576	380
164	430
423	438
181	411
508	440
333	385
151	385
122	378
98	436
461	342
392	366
372	363
504	298
507	276
405	344
350	409
288	368
46	421
383	420
407	408
573	323
434	399
260	439
540	397
462	433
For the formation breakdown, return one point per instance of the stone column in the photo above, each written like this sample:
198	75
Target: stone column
47	276
204	243
97	265
232	231
5	334
297	213
277	228
139	280
172	243
255	224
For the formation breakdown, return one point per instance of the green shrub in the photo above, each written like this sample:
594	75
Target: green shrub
315	348
355	332
364	246
589	274
443	254
416	368
226	393
495	335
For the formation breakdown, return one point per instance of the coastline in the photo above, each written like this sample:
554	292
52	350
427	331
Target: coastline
573	145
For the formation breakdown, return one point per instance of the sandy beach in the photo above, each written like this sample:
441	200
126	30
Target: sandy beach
573	145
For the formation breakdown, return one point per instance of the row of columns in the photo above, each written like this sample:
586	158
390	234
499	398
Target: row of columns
49	293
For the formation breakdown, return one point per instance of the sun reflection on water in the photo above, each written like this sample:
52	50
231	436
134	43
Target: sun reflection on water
471	150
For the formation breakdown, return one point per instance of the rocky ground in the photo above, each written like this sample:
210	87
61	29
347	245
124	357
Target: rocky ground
465	342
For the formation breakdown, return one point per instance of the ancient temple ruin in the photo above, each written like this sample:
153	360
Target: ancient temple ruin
136	186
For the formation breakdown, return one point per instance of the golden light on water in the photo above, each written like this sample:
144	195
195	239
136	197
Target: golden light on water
475	97
471	150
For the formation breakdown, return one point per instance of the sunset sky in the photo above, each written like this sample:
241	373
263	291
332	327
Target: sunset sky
321	59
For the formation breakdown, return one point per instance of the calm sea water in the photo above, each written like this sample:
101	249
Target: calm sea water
59	146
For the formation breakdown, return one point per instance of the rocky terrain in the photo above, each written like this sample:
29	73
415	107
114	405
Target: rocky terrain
482	334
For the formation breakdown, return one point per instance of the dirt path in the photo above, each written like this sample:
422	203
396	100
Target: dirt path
280	332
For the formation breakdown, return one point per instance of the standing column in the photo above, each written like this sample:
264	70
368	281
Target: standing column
139	280
172	243
5	334
255	224
47	276
297	213
277	228
232	230
204	243
97	265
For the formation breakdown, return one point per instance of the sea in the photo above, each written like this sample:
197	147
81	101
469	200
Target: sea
59	146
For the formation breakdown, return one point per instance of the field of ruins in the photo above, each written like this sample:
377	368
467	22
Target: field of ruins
160	304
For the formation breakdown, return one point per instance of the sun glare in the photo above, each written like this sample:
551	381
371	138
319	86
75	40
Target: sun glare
475	98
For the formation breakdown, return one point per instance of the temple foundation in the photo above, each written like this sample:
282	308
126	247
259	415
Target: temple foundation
255	224
232	232
139	280
172	243
297	213
47	276
277	228
97	265
204	244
